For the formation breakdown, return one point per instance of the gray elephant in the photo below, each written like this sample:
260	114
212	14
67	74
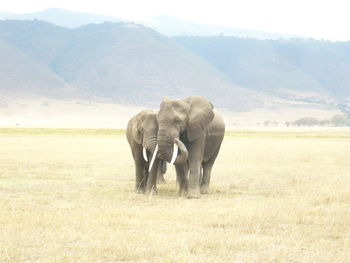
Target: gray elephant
141	134
193	126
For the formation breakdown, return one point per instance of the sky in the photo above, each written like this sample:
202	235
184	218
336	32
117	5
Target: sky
317	19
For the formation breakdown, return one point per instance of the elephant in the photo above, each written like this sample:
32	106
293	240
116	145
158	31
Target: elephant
191	125
141	134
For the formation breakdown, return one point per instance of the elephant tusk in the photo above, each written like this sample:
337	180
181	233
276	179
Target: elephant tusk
144	154
153	158
175	151
183	155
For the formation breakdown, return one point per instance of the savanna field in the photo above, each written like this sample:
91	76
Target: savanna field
277	195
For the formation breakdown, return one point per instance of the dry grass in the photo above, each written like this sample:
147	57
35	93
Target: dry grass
276	196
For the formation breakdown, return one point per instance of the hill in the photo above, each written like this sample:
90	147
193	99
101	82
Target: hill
26	48
46	68
119	62
305	70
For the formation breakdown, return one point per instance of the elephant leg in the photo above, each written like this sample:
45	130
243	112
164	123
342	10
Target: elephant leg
145	178
196	150
206	177
152	178
193	182
181	178
140	167
201	174
140	179
207	166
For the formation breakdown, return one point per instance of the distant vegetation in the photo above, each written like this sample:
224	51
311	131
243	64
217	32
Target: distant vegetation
340	120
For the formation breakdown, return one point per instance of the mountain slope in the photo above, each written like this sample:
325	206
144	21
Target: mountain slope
131	63
123	62
326	62
22	76
49	72
26	49
301	69
39	40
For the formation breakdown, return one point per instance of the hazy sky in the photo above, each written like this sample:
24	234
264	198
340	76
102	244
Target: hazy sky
314	18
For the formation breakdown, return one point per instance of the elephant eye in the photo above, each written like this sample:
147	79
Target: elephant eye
177	120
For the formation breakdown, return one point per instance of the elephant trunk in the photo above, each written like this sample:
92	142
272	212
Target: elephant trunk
167	146
149	145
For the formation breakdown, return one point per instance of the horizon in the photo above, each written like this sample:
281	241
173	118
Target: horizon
326	22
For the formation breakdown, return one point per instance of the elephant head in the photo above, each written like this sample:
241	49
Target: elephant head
144	131
181	119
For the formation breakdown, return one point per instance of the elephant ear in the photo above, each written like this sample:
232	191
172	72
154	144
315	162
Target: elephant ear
201	114
136	133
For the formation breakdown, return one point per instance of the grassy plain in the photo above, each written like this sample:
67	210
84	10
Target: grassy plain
276	196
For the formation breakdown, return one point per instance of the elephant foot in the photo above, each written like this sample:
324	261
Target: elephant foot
204	190
140	189
182	189
194	194
153	195
152	192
